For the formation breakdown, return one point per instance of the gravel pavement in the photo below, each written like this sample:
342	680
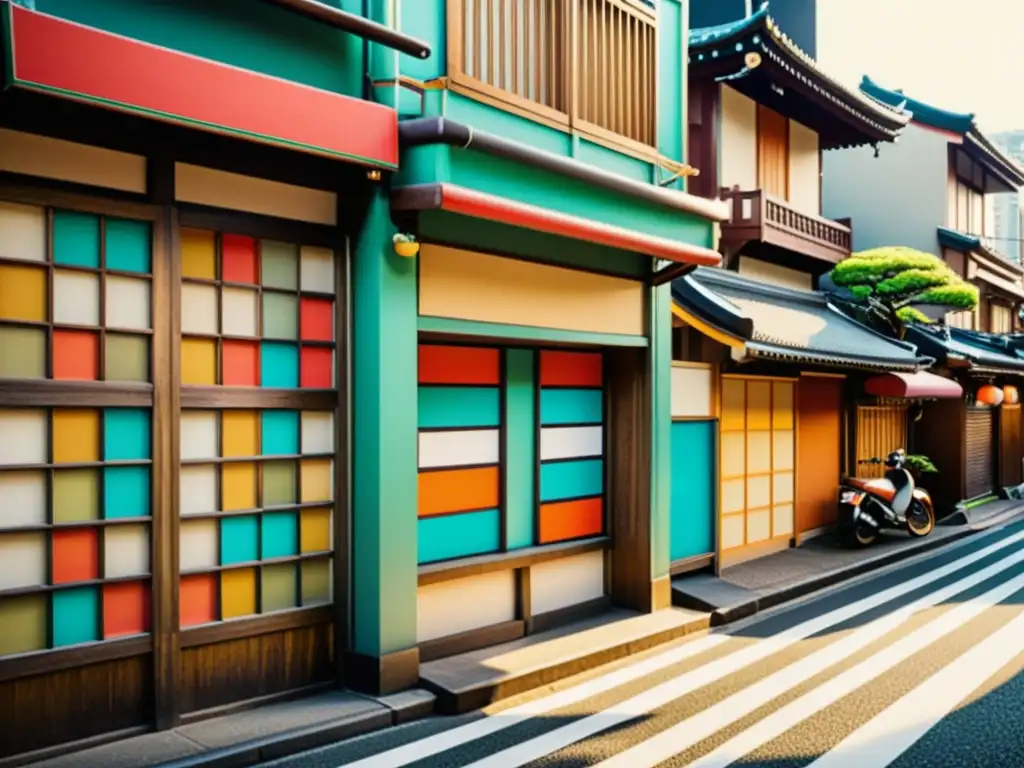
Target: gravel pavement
919	665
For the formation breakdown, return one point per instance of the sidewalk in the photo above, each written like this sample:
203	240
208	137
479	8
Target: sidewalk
256	735
757	585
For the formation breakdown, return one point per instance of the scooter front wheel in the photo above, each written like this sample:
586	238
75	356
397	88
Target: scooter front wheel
920	520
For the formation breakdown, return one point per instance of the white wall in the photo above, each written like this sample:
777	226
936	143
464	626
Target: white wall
765	272
804	169
737	150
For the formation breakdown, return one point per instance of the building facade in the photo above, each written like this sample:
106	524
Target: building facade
330	344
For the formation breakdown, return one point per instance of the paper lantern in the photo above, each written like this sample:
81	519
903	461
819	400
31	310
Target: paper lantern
989	394
1011	395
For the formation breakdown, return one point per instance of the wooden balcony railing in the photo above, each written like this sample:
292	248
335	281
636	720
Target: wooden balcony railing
757	215
585	65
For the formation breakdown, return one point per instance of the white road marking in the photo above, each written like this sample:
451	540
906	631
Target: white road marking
478	729
893	731
794	713
667	692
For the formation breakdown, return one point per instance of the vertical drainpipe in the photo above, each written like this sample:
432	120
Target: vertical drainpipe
383	61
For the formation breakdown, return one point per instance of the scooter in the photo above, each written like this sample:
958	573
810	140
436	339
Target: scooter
868	505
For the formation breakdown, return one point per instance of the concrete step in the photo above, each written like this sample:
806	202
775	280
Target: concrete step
475	679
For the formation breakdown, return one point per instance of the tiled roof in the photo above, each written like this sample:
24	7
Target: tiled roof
755	32
985	352
787	324
962	124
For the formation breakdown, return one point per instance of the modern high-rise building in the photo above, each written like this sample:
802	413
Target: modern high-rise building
1007	225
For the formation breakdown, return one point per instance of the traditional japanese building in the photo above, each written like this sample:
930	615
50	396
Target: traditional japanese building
778	356
179	208
975	440
941	176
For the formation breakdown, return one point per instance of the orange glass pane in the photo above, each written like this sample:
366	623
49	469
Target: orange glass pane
238	259
240	363
76	355
76	435
75	555
125	609
316	319
197	599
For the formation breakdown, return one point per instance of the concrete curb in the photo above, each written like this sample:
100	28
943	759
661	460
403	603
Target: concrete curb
400	708
732	613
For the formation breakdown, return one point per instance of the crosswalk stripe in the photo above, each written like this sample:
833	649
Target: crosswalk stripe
685	734
660	695
894	730
794	713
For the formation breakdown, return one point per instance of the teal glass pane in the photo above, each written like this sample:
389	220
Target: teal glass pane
126	492
129	245
238	540
449	536
279	365
76	616
280	534
571	479
280	433
571	406
441	407
126	434
76	239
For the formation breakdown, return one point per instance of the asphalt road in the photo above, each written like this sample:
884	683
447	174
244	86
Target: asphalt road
920	665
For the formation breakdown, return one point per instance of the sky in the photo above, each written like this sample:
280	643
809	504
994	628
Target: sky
961	55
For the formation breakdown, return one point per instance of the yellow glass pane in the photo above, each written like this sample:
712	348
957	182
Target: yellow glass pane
198	361
240	433
24	623
237	593
733	404
22	293
198	254
316	480
316	530
759	405
76	436
782	405
734	458
759	452
238	486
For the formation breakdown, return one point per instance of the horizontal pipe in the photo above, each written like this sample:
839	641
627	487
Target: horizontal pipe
357	25
439	130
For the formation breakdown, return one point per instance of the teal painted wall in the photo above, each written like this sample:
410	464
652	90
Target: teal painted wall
693	505
252	35
671	79
384	463
661	421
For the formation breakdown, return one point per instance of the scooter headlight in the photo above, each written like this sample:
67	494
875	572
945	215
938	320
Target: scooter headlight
850	497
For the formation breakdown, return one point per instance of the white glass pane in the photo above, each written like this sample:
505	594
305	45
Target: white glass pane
127	304
125	551
76	298
198	309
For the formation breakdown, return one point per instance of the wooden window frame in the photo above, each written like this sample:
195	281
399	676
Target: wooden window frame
568	121
154	395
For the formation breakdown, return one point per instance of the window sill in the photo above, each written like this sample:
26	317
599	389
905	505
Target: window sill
436	573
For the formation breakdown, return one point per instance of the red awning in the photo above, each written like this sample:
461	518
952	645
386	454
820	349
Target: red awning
54	56
920	384
480	205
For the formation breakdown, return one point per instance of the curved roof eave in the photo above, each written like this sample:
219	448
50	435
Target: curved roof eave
701	38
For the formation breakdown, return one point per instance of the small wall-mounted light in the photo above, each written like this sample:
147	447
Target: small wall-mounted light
405	245
373	175
752	60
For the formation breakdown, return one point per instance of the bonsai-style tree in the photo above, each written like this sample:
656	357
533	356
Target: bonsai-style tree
896	285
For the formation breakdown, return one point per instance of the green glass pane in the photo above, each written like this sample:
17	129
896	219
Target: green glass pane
316	581
75	495
22	353
278	587
24	622
280	265
127	358
280	316
280	483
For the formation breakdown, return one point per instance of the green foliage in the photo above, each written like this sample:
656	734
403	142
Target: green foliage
898	277
919	463
912	315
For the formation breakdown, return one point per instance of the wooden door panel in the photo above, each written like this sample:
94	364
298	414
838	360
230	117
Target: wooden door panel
1009	446
979	442
819	453
772	152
